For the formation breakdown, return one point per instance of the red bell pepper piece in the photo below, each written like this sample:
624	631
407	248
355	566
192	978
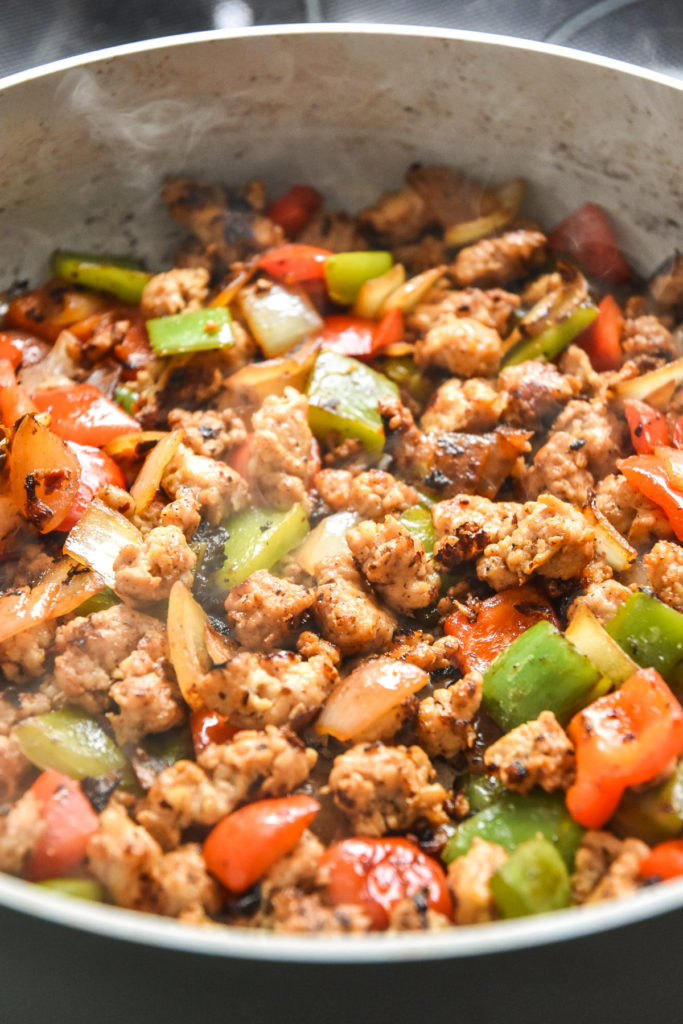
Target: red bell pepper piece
293	210
295	264
648	427
81	413
245	844
356	336
499	620
649	475
586	236
623	739
210	727
69	822
665	861
376	874
602	340
97	470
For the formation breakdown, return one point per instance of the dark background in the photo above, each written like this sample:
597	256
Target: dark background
646	32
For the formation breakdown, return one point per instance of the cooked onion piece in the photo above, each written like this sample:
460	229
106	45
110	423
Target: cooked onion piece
367	694
98	537
186	630
63	588
327	538
148	479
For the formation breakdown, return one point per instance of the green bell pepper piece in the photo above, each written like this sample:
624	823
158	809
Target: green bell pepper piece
539	671
481	791
343	395
168	747
403	371
196	330
72	742
533	880
257	539
77	888
98	602
122	278
515	817
418	521
651	633
653	815
550	342
347	272
126	397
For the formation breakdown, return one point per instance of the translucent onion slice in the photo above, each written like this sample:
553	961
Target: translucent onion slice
63	588
254	382
98	537
407	295
148	479
135	445
56	366
278	317
609	543
589	636
367	694
44	474
324	540
189	654
655	387
375	291
510	196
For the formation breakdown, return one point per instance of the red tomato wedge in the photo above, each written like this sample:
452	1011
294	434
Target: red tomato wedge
69	823
295	264
81	413
499	620
586	236
97	470
293	210
648	426
377	874
243	846
602	340
210	727
623	739
665	861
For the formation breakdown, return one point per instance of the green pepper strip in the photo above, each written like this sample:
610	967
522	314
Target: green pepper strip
418	521
126	397
343	395
347	272
512	819
533	880
77	888
539	671
71	742
257	539
196	330
121	278
651	632
550	342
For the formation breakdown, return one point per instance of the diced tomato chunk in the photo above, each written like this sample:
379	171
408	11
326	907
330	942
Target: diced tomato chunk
210	727
293	210
69	823
586	236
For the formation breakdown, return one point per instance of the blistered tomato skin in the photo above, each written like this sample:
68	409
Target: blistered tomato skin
378	874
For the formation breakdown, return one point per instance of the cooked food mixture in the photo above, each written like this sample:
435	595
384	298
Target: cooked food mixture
342	565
